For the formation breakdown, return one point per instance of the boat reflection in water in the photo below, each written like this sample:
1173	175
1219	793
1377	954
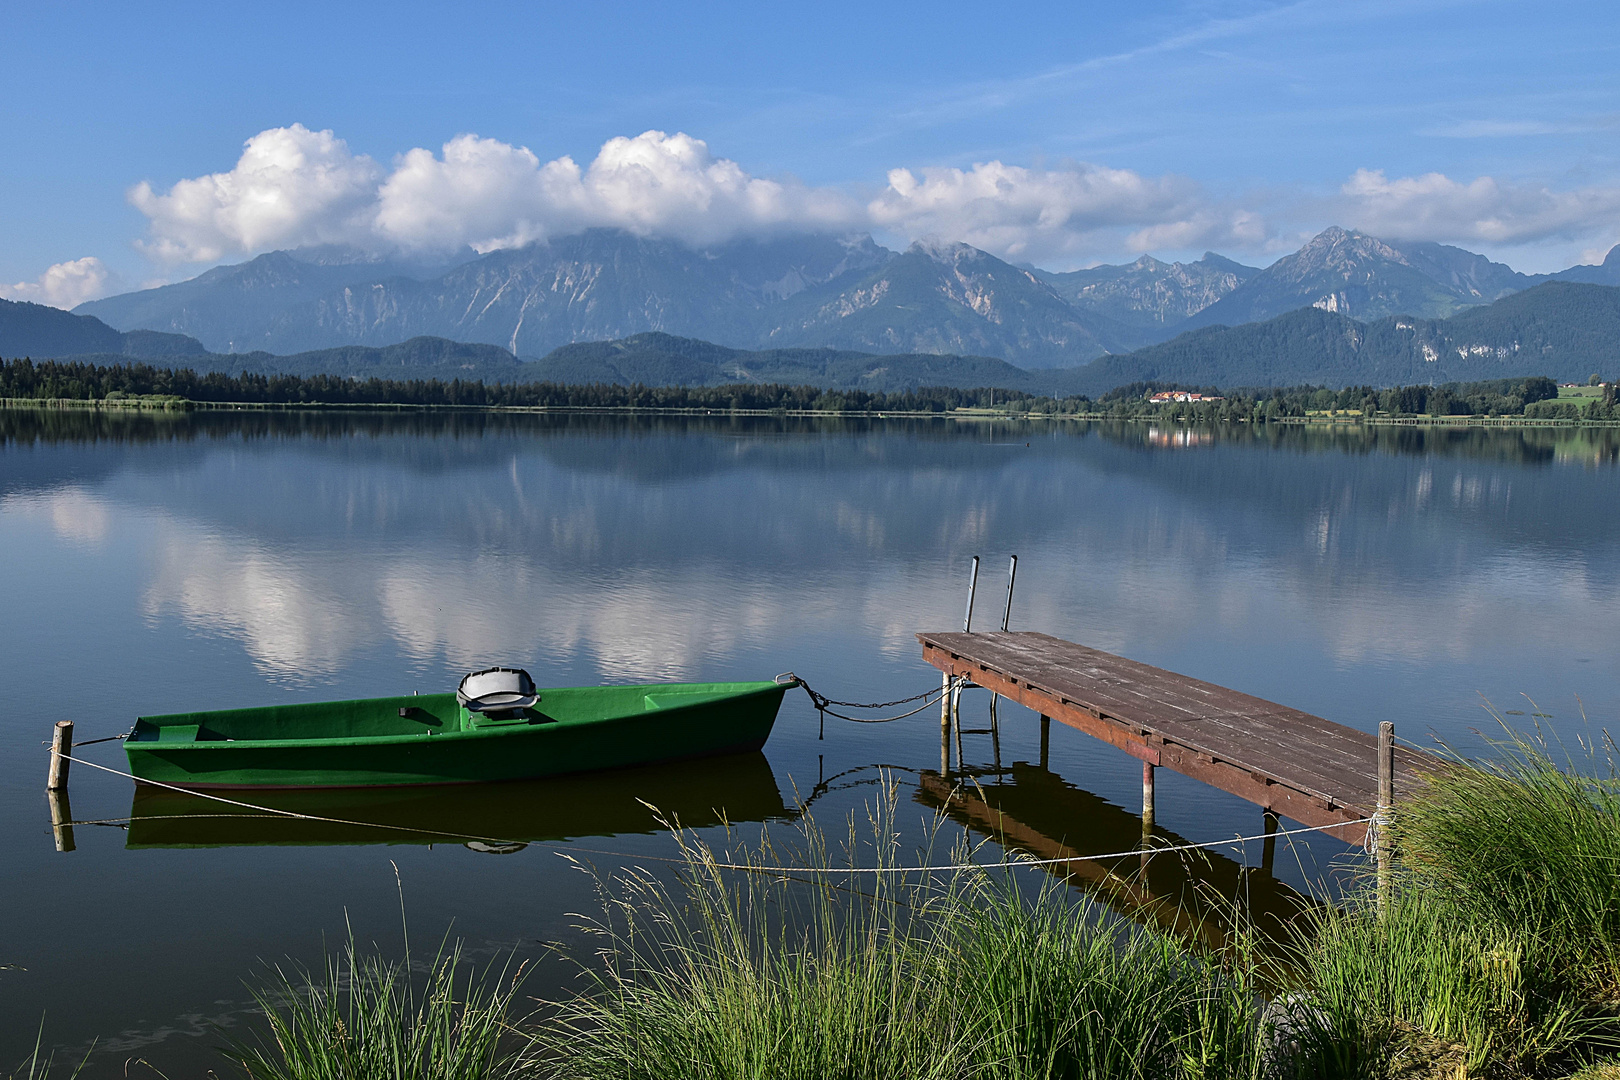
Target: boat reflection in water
1192	894
499	818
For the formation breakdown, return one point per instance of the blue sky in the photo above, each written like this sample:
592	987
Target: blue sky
1062	134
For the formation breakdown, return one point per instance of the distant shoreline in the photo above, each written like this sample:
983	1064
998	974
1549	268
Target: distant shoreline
179	405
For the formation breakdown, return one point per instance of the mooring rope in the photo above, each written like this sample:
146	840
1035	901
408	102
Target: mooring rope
824	704
1017	861
109	738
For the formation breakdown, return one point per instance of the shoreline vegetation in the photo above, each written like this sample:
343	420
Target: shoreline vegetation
1534	401
1493	951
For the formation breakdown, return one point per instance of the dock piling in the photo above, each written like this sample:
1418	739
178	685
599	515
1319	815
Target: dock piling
1268	853
944	724
1147	798
1046	738
61	751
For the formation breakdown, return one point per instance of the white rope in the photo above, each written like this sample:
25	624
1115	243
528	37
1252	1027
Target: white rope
276	811
1017	860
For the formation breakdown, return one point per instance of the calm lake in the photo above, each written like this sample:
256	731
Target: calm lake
161	563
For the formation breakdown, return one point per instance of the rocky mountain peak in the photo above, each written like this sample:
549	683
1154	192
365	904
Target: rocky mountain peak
1340	254
946	253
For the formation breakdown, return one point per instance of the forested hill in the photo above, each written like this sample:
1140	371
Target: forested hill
36	330
646	359
655	359
1564	330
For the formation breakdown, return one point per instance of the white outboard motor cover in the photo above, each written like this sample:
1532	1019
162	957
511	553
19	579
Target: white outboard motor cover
497	689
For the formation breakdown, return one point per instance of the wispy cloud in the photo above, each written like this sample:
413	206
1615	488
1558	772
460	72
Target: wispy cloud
1516	129
1479	211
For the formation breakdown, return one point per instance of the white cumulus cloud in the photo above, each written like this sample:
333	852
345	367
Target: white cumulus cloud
291	186
671	185
65	285
1057	214
295	186
481	192
1481	211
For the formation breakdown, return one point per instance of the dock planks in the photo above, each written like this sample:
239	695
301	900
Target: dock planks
1300	766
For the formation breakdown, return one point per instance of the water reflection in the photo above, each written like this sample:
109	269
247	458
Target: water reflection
500	818
1191	894
162	562
311	538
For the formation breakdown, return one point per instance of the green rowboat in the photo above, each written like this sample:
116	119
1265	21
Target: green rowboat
438	739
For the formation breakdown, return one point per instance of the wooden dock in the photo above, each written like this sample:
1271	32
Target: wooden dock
1288	762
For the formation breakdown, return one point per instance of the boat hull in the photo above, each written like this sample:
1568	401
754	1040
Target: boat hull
373	743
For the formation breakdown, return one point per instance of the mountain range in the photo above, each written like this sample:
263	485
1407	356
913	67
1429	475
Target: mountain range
608	306
1563	329
848	294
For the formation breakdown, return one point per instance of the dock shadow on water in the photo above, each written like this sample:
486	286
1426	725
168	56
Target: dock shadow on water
1195	895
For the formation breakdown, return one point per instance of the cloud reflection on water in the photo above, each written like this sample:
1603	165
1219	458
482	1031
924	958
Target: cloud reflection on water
649	554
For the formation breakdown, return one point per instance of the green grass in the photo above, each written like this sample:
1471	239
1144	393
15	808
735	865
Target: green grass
770	974
36	1067
1496	953
1530	847
365	1018
1499	944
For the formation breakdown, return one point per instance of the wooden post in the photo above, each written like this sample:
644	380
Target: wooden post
1386	807
61	818
1147	799
944	723
1268	854
1046	737
61	750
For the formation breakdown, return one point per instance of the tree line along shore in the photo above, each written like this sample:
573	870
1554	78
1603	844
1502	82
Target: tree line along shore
1529	399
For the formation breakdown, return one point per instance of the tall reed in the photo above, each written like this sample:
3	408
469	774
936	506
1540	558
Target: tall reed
764	972
365	1018
1374	983
38	1068
1501	935
1530	848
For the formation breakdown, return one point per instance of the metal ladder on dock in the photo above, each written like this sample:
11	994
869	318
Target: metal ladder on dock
950	710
